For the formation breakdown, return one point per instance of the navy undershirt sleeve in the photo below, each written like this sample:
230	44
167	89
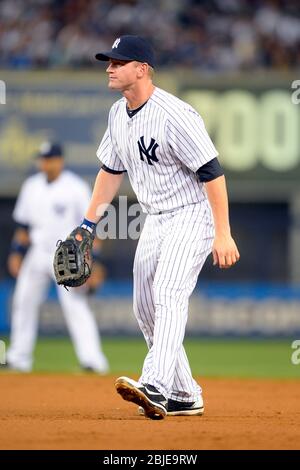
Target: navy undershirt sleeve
210	171
113	172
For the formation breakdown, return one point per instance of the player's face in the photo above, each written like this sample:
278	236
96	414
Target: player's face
123	75
52	167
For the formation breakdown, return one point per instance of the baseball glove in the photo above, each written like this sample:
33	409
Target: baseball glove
73	258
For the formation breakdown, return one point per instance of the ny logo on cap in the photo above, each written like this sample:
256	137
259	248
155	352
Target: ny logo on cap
149	152
116	43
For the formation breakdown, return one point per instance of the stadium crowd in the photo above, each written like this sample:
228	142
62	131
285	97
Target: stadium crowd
214	35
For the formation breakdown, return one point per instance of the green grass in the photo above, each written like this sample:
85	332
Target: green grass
208	357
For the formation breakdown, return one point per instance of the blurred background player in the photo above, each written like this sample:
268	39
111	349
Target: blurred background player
49	204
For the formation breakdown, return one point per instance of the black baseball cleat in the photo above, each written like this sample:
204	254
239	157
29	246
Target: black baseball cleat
145	395
179	408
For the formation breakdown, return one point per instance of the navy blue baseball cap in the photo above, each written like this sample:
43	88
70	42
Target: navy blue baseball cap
129	48
50	150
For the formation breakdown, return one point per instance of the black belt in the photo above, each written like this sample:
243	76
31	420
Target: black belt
167	210
174	209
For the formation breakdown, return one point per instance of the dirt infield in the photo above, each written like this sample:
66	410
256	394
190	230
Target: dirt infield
85	412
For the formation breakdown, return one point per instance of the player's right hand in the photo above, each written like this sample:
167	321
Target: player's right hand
225	252
14	263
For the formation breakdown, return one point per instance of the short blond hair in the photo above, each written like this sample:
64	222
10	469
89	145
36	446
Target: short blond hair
150	71
150	68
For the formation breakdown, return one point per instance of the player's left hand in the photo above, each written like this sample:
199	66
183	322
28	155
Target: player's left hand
73	258
225	252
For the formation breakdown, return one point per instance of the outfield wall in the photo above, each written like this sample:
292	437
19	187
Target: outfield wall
215	310
253	120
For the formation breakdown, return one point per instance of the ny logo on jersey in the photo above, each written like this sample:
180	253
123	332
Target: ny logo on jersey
116	43
149	152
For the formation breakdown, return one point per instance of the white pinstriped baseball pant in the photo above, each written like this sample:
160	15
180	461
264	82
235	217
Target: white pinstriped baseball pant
170	255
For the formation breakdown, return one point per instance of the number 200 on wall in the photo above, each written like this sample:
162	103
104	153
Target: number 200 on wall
248	129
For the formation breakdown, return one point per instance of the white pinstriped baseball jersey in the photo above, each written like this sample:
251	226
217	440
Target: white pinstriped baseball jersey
161	147
51	209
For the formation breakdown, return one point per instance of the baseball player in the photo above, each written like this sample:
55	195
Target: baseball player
162	144
49	204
